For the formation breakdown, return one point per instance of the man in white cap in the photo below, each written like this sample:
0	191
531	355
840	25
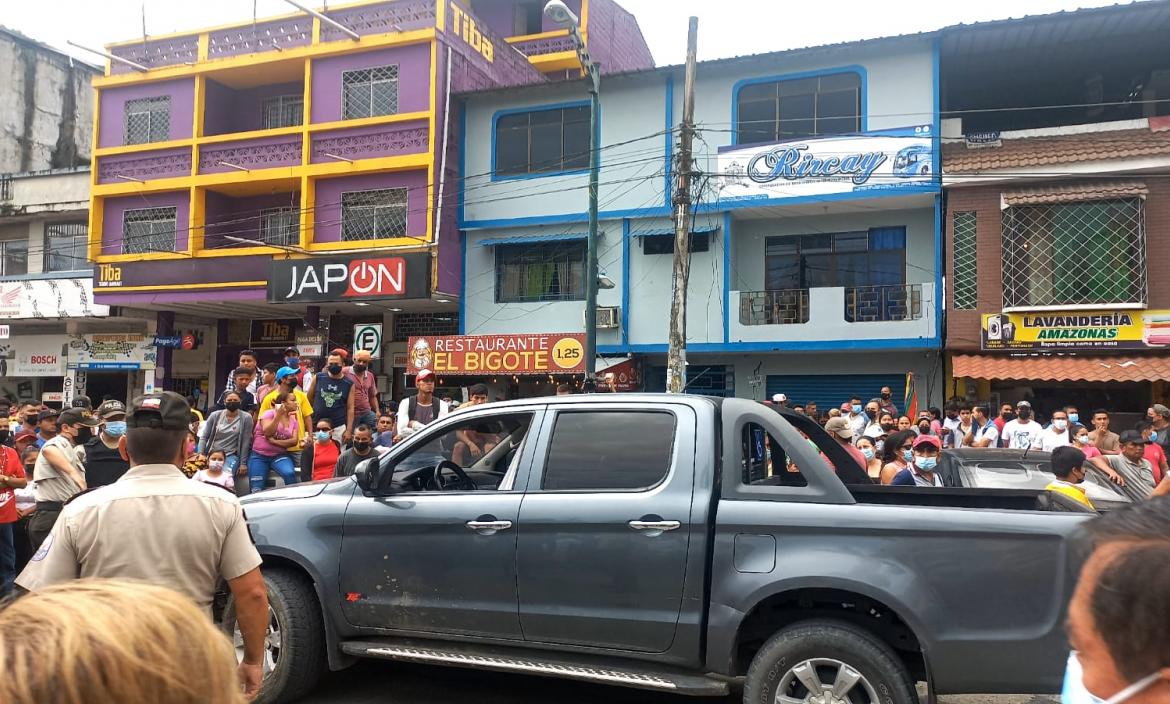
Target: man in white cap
780	400
418	411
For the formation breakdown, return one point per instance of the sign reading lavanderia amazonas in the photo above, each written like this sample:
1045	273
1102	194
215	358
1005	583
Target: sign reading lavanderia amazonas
552	353
1072	331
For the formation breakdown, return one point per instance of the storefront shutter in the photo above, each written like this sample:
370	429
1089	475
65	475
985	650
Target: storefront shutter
831	391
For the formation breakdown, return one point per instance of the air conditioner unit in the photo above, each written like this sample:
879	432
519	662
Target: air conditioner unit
609	317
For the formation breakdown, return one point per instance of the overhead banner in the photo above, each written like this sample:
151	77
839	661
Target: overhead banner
353	278
895	158
1072	331
49	298
112	351
497	354
33	355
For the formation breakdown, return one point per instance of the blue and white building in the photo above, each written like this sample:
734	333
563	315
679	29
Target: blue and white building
816	251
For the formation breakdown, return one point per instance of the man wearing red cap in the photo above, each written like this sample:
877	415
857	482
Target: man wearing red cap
922	470
423	408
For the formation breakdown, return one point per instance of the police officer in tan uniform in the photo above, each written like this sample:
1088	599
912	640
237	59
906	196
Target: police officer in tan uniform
156	525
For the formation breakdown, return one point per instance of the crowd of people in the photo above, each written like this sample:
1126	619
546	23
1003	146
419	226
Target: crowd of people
896	449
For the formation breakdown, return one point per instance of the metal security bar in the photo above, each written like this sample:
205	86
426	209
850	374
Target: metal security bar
280	226
284	111
370	92
966	263
869	304
1091	253
373	215
65	246
147	120
149	230
788	307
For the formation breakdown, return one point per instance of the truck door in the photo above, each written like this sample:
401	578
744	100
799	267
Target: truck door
604	527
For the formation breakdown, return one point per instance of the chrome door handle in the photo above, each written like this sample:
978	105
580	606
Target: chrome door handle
489	525
655	525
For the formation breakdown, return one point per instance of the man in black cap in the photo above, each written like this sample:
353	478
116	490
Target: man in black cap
127	530
59	473
104	463
1136	475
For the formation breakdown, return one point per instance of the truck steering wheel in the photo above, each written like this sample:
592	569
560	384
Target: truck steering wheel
461	482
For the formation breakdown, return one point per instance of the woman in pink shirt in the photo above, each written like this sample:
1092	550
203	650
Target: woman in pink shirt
276	431
1084	442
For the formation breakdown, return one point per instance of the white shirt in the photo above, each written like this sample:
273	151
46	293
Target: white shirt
406	426
1051	439
1022	436
960	433
857	423
954	438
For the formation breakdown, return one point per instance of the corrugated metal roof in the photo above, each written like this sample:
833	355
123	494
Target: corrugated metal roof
1135	368
670	231
534	239
1075	192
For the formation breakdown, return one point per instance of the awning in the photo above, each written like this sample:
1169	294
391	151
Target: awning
1137	368
670	231
1075	193
534	239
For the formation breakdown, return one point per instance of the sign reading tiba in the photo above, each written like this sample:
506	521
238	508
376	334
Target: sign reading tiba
555	353
464	27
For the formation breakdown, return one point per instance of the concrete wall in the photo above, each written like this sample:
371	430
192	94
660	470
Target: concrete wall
414	78
46	107
39	200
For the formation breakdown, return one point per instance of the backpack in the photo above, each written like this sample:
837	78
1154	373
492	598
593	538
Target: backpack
412	406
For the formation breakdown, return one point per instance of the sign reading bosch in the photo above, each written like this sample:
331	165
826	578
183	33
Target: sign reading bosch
349	278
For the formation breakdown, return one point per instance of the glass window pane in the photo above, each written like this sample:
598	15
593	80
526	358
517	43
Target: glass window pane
546	147
837	125
803	86
609	450
798	107
819	270
838	81
837	104
513	121
15	257
813	244
546	117
576	145
357	101
851	242
385	98
577	114
512	151
758	92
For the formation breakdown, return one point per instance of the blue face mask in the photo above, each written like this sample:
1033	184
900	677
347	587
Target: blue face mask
926	464
293	362
322	435
1074	417
116	428
908	455
868	452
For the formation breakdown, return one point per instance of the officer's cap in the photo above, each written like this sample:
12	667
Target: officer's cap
161	409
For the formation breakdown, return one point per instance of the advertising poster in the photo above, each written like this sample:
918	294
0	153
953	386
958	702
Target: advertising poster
112	351
497	354
1073	331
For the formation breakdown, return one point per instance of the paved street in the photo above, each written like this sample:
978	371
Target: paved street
401	683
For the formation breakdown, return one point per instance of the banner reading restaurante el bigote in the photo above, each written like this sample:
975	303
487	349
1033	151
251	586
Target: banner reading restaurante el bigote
551	353
1073	331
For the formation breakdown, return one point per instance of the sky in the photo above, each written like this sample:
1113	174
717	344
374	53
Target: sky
726	27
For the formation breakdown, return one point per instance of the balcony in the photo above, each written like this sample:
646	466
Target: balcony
835	314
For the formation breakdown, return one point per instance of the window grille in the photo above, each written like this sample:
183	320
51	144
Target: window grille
966	262
66	245
373	215
147	120
284	111
13	257
1073	254
369	92
280	226
149	230
553	271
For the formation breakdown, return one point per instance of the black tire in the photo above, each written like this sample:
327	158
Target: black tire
301	660
836	640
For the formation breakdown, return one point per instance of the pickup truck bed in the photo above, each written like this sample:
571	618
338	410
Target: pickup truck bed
644	540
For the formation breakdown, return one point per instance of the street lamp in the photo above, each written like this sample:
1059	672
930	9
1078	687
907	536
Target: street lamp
559	13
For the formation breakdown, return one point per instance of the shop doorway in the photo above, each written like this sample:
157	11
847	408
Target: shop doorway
1126	402
100	386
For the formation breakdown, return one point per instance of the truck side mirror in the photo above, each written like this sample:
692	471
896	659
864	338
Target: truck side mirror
367	473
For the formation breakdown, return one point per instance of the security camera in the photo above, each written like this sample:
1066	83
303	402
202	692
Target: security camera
560	13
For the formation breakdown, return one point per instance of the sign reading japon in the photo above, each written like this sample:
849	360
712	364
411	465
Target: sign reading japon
895	158
1073	331
354	278
497	354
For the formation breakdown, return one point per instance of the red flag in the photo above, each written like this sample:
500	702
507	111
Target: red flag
911	401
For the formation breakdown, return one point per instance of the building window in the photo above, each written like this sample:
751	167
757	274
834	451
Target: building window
283	111
13	257
147	120
664	244
370	92
966	263
542	141
527	18
149	230
1074	254
702	379
66	246
875	257
280	226
551	271
373	215
779	111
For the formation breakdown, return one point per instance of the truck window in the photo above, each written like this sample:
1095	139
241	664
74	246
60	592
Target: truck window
609	450
764	460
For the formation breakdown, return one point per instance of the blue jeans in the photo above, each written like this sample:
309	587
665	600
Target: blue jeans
7	560
258	466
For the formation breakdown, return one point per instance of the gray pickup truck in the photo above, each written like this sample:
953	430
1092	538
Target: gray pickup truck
673	543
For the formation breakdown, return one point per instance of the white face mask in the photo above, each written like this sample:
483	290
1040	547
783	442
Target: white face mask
1060	423
1074	691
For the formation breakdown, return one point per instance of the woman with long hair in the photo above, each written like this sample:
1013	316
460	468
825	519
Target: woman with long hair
873	461
114	641
896	454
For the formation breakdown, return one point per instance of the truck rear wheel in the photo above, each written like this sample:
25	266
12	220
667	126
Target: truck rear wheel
294	646
827	662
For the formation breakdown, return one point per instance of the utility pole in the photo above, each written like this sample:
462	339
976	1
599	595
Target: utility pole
676	356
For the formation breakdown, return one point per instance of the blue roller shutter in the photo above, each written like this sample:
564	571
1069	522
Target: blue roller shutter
702	379
832	390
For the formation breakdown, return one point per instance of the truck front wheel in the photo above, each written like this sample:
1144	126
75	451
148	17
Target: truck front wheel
827	662
294	646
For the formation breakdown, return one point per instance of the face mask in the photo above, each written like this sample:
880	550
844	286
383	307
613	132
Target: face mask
924	428
334	369
1153	437
215	465
885	397
293	362
926	464
1084	440
1008	416
887	426
232	405
1060	424
908	455
31	420
872	415
116	428
83	435
291	381
868	452
1074	418
359	369
1025	415
361	445
322	435
881	445
1074	691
